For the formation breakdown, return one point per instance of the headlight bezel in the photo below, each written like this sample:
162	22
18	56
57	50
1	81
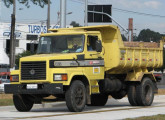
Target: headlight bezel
60	77
14	78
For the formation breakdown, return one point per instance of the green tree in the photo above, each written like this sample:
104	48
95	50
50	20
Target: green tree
123	37
148	35
74	24
40	3
135	38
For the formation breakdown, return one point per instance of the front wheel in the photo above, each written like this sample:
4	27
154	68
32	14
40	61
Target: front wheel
22	103
75	96
145	92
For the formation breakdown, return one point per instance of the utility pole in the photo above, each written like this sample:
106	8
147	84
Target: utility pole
0	9
63	13
86	13
12	37
130	28
48	16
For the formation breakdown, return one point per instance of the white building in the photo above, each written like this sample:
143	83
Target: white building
22	32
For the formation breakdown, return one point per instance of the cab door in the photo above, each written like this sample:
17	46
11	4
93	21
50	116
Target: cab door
95	60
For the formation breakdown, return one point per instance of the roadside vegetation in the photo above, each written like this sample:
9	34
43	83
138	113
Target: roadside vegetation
6	100
156	117
161	92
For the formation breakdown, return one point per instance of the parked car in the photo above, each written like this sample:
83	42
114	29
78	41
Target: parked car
4	76
3	84
4	79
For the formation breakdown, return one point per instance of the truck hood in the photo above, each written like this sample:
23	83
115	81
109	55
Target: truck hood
45	57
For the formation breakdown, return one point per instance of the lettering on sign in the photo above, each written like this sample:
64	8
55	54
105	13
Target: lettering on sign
57	64
37	29
7	34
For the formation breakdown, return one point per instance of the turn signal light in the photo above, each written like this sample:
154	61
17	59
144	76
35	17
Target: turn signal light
64	77
14	78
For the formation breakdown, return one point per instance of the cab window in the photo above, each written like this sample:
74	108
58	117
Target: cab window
91	43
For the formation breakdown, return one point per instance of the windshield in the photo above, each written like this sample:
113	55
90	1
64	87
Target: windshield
61	44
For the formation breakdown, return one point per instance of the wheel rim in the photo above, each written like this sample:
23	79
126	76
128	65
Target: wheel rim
79	96
148	93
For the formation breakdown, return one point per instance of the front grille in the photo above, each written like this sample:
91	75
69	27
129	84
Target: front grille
33	70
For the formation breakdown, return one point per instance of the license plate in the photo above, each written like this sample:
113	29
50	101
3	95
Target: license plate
32	86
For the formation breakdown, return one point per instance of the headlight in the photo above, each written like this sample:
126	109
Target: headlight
14	78
62	77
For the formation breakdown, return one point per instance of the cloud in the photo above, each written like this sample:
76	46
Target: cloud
152	4
159	25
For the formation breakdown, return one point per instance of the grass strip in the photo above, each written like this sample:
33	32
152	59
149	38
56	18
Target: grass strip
6	102
156	117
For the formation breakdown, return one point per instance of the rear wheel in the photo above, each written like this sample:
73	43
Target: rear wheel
145	92
22	103
132	95
75	96
98	99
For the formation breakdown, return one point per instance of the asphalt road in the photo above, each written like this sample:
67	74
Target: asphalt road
114	109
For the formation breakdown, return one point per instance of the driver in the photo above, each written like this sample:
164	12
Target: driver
77	48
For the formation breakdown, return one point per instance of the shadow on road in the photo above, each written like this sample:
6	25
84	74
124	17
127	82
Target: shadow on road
62	107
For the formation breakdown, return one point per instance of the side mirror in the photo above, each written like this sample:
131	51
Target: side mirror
98	46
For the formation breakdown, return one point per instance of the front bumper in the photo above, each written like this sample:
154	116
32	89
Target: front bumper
42	89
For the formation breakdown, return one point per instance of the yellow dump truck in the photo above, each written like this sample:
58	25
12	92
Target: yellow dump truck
83	66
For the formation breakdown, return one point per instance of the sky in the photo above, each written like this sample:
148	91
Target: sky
36	14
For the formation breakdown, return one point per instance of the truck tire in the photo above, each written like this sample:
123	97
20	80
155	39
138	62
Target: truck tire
75	96
22	103
98	99
119	95
145	92
132	95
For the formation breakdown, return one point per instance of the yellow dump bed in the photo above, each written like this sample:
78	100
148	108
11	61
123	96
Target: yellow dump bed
123	57
145	55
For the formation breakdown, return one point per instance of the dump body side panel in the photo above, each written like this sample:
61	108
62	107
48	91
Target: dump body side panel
121	58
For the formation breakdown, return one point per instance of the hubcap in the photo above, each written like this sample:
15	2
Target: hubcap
79	96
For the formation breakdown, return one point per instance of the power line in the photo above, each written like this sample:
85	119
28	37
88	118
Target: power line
123	10
139	13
